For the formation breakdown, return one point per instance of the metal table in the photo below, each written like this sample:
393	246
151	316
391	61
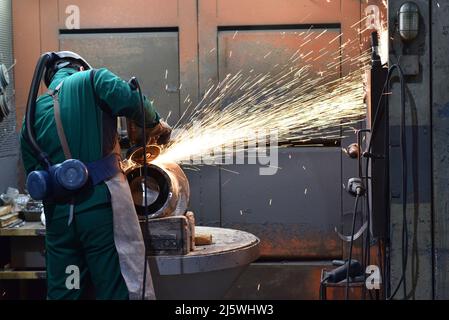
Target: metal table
206	273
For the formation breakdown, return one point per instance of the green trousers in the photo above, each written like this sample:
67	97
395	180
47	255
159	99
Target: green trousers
81	253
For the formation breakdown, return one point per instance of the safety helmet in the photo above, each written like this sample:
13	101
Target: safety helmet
61	60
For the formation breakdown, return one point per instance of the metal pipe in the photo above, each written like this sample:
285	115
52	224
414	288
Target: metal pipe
167	187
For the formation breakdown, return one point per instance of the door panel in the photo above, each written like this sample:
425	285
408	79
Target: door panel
151	56
286	210
268	34
294	211
261	50
254	12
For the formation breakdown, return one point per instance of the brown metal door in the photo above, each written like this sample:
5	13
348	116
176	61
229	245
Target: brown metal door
155	40
152	57
295	211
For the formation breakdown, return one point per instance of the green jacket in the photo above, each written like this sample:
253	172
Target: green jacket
83	121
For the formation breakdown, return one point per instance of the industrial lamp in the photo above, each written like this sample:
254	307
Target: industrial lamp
4	108
4	78
4	81
408	16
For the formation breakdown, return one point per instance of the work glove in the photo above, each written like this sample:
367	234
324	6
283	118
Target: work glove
160	134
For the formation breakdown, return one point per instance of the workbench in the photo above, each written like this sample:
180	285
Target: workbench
205	273
29	229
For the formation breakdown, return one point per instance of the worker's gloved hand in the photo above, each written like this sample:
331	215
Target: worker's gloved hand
160	134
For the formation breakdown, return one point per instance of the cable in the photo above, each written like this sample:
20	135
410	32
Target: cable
380	261
145	210
404	190
377	116
351	244
367	251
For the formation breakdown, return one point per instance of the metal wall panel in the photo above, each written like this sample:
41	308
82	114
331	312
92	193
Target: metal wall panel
285	281
37	25
293	212
151	56
216	16
8	137
418	141
286	210
262	49
204	188
440	131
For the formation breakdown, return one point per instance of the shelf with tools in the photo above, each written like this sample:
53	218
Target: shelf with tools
28	229
26	247
11	274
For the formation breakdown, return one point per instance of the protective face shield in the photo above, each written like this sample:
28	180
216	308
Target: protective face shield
56	181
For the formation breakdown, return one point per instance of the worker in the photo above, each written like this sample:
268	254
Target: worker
96	235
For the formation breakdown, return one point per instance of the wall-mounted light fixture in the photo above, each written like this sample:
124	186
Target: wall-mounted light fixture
4	82
408	18
4	108
4	78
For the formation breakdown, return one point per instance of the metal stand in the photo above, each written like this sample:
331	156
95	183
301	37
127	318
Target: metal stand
340	286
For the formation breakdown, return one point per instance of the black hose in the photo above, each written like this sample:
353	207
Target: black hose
145	209
351	244
404	189
30	135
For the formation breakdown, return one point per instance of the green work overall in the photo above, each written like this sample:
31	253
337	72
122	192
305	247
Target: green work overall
85	247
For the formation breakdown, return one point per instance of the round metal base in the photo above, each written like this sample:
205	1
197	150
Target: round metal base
209	271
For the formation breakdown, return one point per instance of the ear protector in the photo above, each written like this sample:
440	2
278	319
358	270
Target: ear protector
56	182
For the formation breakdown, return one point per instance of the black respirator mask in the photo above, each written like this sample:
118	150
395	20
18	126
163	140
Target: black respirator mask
55	181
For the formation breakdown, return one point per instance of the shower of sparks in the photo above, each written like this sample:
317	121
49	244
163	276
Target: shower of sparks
298	108
334	39
383	43
363	19
295	100
321	34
